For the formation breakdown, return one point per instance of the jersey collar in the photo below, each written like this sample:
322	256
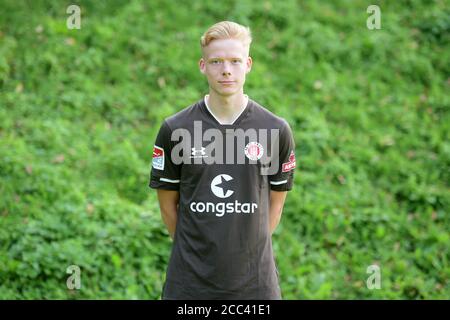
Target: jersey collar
246	103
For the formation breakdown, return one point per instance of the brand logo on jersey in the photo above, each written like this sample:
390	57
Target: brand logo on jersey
288	166
220	186
254	150
198	153
158	158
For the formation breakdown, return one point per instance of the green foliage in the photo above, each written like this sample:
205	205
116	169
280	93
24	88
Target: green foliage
79	111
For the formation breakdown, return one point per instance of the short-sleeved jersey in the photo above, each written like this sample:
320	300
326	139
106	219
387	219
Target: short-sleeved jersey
222	245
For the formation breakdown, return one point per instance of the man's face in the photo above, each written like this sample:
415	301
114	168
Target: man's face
225	63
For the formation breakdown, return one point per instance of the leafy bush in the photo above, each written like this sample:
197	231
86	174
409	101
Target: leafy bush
79	111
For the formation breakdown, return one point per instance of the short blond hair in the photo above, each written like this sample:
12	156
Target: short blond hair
227	30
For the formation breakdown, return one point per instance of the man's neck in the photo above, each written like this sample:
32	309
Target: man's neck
226	108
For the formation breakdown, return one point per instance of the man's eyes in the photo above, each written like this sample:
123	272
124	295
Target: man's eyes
233	61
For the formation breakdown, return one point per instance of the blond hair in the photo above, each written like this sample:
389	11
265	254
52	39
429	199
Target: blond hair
226	30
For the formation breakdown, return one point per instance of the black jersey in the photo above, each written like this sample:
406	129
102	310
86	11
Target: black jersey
222	245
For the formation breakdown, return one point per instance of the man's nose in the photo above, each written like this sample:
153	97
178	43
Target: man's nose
226	69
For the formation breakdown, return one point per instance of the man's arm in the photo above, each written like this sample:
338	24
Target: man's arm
276	208
168	203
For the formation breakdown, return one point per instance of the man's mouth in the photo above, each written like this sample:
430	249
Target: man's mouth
227	82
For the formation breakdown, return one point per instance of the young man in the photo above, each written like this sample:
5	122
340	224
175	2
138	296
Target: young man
222	168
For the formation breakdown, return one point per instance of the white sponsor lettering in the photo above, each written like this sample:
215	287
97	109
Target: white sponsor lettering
221	208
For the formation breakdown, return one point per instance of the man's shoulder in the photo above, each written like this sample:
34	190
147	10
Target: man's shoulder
262	113
184	116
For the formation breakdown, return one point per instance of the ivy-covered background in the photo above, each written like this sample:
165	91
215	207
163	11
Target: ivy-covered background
79	111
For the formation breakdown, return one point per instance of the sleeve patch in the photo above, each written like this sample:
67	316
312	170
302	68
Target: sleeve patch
158	158
288	166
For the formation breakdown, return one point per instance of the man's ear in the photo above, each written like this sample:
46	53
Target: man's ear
201	65
249	64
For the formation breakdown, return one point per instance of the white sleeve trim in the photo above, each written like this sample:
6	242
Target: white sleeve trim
168	180
278	182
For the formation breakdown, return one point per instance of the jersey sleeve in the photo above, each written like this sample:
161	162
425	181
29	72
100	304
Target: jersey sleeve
283	179
164	173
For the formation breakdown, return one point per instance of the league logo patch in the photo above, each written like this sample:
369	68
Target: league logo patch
288	166
254	150
158	158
